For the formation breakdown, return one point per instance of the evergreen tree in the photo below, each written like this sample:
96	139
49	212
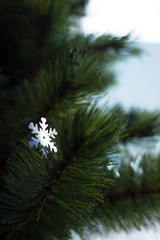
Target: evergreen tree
57	179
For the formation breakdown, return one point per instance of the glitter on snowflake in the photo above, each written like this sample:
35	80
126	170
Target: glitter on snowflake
42	137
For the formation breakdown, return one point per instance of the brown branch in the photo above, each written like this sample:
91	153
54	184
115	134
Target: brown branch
131	194
104	46
66	163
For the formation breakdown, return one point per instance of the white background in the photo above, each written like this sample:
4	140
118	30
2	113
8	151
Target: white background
123	16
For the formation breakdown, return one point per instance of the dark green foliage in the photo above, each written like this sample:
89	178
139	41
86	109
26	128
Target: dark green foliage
25	30
47	70
140	123
43	77
65	186
145	124
133	202
107	48
51	92
77	7
3	92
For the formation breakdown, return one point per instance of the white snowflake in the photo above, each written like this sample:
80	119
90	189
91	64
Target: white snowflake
43	137
115	170
136	165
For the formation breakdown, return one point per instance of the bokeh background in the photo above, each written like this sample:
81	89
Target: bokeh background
138	78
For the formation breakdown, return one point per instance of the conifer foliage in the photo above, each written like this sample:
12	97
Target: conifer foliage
48	71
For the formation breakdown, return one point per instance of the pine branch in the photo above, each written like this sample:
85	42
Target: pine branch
140	123
46	92
108	45
133	201
66	187
47	198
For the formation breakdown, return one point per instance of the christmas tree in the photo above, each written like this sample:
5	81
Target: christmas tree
61	168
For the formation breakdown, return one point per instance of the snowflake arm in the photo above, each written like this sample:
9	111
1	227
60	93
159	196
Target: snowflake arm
42	137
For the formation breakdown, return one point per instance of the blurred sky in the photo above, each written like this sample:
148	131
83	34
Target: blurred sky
138	78
122	16
135	235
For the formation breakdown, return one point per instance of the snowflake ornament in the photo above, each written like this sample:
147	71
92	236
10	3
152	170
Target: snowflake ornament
43	137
